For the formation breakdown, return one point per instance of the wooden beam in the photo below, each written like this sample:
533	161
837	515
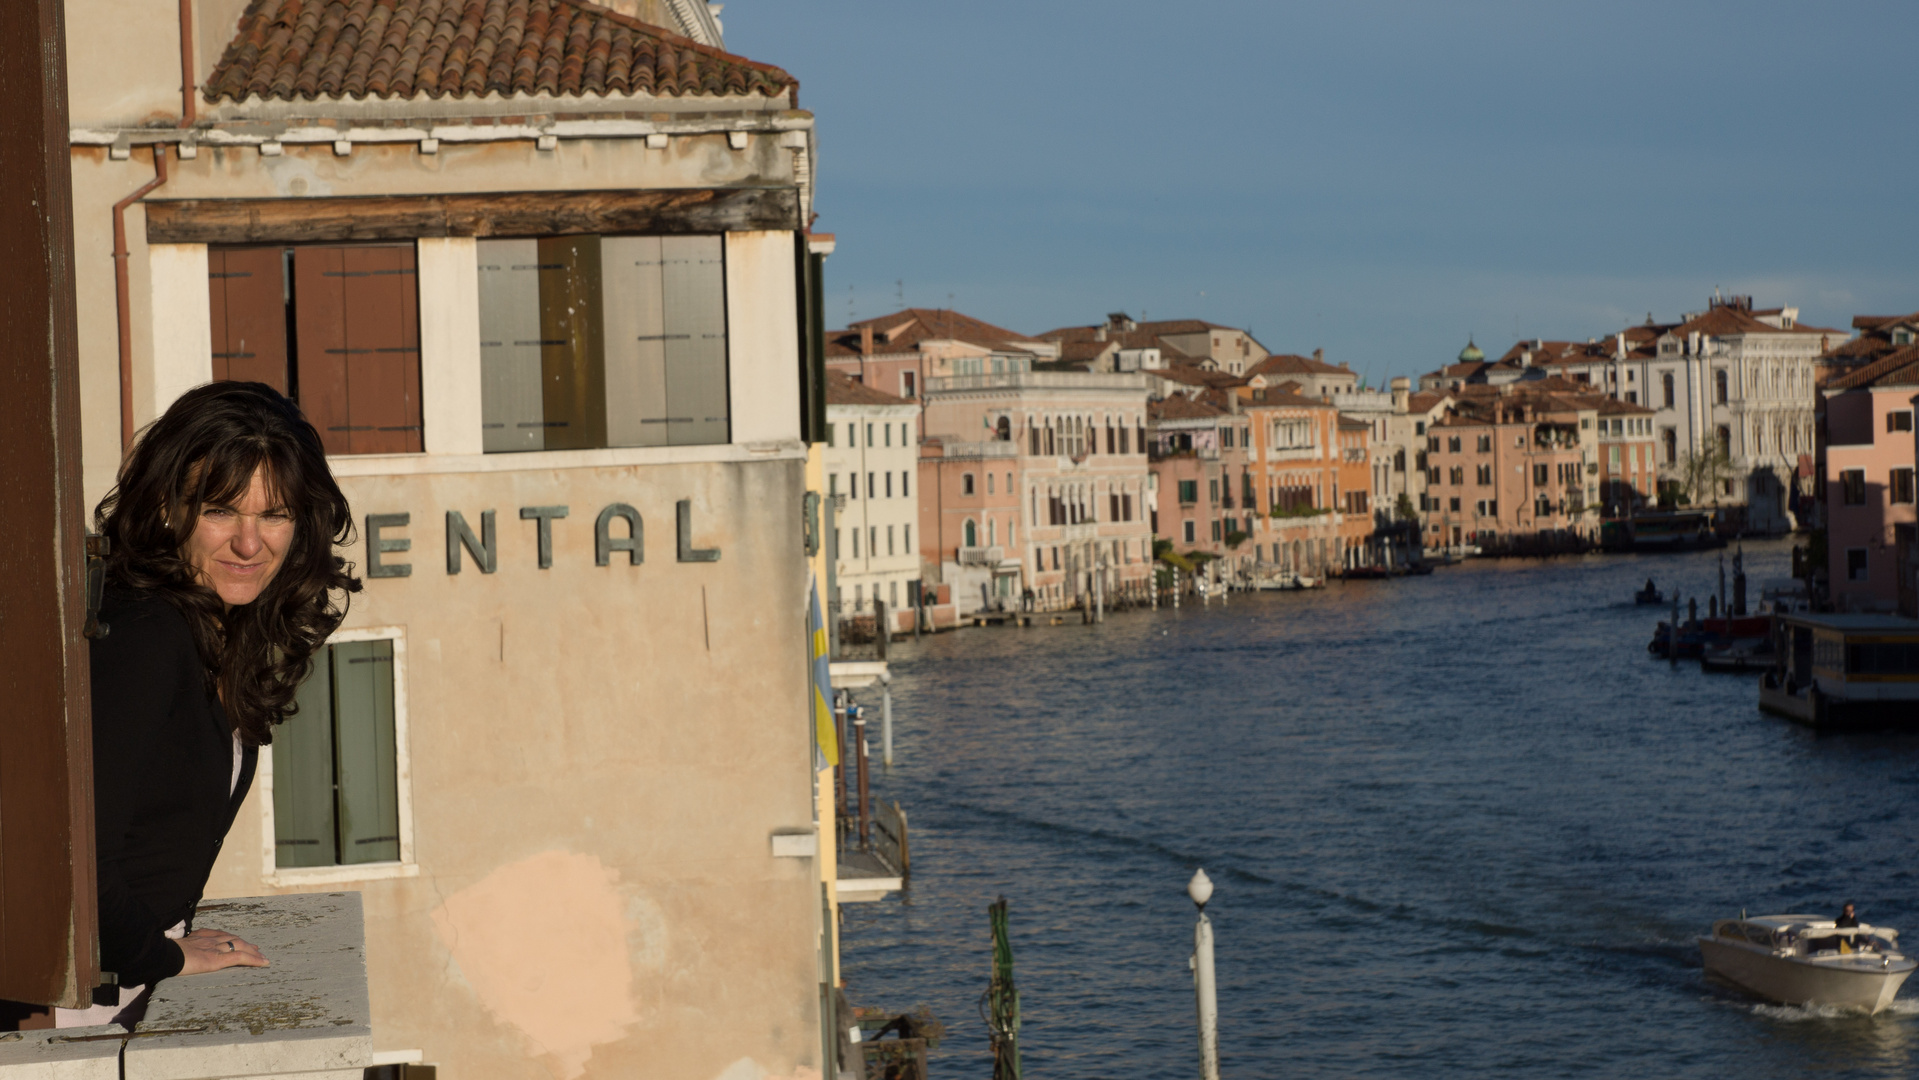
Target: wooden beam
48	954
510	213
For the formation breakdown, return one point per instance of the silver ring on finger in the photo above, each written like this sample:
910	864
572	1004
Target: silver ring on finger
229	944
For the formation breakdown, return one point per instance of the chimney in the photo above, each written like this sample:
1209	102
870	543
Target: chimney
866	340
1319	356
1402	394
1619	347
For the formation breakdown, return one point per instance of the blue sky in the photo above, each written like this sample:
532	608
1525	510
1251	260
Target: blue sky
1378	179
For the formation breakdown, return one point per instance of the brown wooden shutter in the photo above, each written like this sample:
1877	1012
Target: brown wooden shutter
383	358
319	320
356	313
247	290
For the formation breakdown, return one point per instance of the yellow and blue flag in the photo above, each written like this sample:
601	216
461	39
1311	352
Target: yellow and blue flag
826	743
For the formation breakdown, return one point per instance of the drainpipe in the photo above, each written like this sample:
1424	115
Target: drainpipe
121	290
189	110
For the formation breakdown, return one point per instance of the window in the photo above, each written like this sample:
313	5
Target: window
591	341
872	489
1856	564
1458	474
1539	474
1189	532
889	541
1419	427
1453	504
832	480
872	541
966	483
1899	421
1188	492
335	327
1215	532
1669	438
1485	475
1723	435
1902	485
1632	397
1452	444
1666	389
1719	394
1485	444
906	491
889	485
907	383
1853	483
336	795
1212	490
906	538
856	543
1226	437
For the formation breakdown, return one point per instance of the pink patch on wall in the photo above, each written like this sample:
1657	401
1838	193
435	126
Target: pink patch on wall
543	944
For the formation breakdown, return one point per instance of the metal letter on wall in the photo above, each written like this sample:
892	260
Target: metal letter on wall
689	553
376	546
605	543
544	515
485	552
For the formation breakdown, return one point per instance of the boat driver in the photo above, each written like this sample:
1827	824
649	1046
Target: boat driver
1846	917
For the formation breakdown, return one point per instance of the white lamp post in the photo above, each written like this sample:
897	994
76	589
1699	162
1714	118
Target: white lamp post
1201	890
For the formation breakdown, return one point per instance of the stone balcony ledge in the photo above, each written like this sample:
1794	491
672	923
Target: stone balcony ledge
307	1015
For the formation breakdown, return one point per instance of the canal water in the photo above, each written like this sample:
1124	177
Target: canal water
1459	825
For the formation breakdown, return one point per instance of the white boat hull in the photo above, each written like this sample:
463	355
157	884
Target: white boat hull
1855	982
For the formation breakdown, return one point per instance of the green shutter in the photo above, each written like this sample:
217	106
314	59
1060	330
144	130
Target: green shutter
303	774
364	747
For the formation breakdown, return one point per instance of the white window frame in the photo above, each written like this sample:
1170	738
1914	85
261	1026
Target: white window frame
406	867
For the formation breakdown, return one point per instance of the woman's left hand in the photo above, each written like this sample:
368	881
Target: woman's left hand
212	950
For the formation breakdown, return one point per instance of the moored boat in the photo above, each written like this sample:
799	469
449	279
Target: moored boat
1807	960
1845	671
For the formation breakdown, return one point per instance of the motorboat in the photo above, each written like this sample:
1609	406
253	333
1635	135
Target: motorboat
1648	596
1807	960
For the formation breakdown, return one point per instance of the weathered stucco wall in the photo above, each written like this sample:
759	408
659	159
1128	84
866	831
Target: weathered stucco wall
598	758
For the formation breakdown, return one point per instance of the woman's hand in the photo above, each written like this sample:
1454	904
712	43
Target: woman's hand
212	950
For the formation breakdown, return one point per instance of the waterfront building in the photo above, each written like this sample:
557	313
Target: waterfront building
872	475
1514	463
535	305
1305	469
897	353
1628	473
1731	389
1032	482
1199	451
1867	458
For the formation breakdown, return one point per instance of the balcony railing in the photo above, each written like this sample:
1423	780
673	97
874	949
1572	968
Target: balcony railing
981	556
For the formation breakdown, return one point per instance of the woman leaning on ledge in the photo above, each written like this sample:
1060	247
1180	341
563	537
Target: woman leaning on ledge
221	583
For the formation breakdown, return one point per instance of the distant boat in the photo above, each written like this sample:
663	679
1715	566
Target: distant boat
1672	530
1648	596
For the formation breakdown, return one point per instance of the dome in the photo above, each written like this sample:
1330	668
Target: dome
1471	354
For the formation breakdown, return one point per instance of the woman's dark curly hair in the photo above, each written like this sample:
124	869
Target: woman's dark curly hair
205	450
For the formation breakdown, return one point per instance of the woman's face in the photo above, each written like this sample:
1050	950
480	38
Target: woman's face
238	548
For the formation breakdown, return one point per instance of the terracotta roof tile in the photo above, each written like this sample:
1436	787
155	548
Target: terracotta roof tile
1288	364
306	49
1898	369
903	331
1180	407
843	389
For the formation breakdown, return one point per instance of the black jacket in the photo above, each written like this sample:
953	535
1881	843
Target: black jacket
162	762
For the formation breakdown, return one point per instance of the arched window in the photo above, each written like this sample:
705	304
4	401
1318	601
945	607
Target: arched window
970	532
1719	387
1665	386
1005	429
1724	434
1671	438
